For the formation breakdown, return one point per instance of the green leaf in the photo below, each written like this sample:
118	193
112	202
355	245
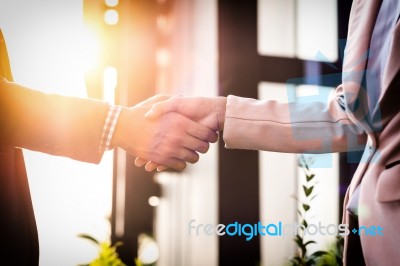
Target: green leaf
118	244
296	261
306	207
304	222
308	190
310	242
137	262
90	238
299	240
310	177
339	260
318	254
310	262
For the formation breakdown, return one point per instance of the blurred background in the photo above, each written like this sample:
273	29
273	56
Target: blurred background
124	51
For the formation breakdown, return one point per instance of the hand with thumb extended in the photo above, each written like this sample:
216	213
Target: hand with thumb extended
208	111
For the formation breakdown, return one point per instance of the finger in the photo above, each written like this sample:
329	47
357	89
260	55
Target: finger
183	154
154	99
160	108
190	143
171	162
155	111
163	163
202	132
190	156
150	166
161	168
139	162
203	148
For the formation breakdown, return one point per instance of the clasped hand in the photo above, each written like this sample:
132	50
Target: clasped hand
173	130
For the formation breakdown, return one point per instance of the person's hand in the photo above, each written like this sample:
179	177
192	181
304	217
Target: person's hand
207	111
150	166
153	100
170	140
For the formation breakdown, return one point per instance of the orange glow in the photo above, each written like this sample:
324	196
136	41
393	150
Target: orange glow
90	45
163	57
110	80
164	24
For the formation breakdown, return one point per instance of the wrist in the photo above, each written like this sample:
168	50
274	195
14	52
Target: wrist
109	128
128	134
221	110
116	140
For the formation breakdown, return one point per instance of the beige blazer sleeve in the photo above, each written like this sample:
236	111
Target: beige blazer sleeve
314	127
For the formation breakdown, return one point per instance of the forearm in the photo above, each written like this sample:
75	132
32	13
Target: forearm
293	128
54	124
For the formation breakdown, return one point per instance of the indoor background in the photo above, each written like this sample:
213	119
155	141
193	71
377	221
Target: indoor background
128	50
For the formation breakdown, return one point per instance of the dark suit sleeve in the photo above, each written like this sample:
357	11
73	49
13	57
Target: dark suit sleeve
54	124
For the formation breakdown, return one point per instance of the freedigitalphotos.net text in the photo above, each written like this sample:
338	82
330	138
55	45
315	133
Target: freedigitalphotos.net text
278	229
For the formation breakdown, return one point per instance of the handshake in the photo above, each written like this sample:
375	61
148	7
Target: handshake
167	132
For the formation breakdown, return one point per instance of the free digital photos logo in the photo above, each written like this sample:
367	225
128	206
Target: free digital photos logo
279	229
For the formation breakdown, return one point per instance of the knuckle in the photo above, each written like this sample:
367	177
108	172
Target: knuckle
210	136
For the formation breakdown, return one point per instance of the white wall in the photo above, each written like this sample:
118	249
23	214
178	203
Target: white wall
192	194
300	29
281	183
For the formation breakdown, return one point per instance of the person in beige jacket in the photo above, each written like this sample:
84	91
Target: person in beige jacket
362	112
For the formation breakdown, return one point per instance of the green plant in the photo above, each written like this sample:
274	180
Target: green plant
331	257
107	255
